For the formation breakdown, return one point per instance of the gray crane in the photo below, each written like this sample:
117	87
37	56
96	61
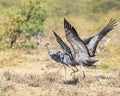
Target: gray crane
93	41
81	53
84	50
63	58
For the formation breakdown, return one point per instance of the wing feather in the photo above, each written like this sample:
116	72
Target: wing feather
93	41
63	45
79	47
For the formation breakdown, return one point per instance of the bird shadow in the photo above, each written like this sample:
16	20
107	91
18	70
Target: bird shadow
74	81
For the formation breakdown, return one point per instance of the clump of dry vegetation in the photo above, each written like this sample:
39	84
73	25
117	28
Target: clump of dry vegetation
47	84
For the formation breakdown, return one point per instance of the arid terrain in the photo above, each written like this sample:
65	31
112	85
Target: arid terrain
26	69
36	75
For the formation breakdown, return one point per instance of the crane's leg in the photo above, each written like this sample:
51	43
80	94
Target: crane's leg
64	69
96	74
65	72
60	69
74	71
82	68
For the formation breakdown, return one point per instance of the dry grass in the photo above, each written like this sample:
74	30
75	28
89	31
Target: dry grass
35	83
39	77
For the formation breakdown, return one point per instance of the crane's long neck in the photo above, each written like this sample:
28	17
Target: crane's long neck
48	48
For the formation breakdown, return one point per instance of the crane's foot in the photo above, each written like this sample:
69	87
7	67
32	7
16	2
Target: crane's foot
72	73
83	78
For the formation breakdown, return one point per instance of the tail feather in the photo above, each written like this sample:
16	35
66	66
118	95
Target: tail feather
90	62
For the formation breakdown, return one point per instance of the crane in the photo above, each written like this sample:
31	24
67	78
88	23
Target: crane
60	57
90	42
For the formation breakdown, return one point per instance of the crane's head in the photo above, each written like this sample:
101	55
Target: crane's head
47	44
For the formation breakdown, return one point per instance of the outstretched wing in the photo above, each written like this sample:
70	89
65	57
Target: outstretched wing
79	47
63	45
93	41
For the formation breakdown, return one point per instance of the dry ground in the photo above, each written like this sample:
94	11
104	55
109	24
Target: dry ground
36	75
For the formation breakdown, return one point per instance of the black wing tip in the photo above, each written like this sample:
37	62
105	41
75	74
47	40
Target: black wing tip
112	22
110	25
65	22
65	19
53	32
